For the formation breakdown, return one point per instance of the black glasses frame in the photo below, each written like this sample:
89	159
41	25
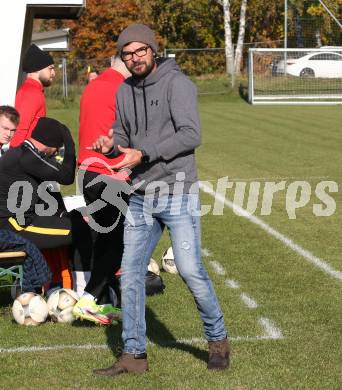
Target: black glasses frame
128	55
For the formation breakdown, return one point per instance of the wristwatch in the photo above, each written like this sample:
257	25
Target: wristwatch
145	158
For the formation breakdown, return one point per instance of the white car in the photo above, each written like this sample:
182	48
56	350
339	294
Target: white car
323	64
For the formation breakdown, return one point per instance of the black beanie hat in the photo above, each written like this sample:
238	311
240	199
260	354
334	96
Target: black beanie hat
137	33
36	59
49	132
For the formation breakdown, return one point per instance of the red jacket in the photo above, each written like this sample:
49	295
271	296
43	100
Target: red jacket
30	103
97	115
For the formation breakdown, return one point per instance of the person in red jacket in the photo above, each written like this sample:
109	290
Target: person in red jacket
30	99
97	115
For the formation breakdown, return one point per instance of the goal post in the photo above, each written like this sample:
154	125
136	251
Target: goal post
295	76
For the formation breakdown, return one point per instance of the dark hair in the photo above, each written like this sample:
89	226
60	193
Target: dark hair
10	113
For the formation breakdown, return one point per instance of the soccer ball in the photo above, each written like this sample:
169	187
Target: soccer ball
168	262
153	267
61	303
29	309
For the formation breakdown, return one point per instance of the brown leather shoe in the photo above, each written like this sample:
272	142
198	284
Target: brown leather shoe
127	363
218	355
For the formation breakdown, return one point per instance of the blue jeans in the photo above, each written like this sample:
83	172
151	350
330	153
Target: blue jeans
180	214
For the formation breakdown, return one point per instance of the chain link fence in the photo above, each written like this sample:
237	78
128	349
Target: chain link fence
206	67
72	77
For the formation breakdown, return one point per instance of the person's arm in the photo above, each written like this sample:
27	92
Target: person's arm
28	110
45	169
183	107
68	165
118	135
109	144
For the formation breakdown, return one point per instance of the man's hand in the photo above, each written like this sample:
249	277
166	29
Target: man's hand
104	143
132	158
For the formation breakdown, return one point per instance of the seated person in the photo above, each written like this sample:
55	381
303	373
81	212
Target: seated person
9	119
28	208
24	175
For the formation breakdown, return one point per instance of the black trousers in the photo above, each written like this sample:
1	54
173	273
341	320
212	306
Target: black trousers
49	232
44	231
108	247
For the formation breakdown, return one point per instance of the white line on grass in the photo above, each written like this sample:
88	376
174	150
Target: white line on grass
271	331
217	267
316	261
248	301
193	341
248	179
232	283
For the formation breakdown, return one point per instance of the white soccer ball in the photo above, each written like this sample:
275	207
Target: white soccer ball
61	303
29	309
153	267
168	262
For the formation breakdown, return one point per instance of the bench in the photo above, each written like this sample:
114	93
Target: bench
11	263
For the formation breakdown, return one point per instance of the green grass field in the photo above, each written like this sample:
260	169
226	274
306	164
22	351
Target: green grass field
283	312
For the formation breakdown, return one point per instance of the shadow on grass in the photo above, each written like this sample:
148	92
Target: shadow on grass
5	297
84	324
243	92
158	334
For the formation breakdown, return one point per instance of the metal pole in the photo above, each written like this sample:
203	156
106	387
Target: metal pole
250	77
64	78
61	68
285	38
233	71
63	81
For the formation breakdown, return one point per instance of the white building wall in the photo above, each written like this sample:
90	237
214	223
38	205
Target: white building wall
16	21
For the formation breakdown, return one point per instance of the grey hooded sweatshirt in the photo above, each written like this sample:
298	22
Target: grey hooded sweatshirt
158	115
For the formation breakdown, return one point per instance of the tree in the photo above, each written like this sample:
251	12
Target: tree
241	36
229	48
314	23
187	24
95	33
233	60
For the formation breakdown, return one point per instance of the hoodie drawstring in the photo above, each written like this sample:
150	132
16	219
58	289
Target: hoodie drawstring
145	107
135	110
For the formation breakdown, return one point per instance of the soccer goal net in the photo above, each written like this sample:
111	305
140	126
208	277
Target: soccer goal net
295	76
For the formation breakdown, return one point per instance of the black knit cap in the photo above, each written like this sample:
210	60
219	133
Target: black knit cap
137	33
49	132
36	59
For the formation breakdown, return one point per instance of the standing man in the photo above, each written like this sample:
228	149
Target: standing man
157	128
30	99
9	119
97	114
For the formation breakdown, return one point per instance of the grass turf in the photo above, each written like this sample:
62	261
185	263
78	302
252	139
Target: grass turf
247	144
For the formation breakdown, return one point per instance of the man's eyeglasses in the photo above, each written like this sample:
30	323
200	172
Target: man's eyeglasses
128	55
